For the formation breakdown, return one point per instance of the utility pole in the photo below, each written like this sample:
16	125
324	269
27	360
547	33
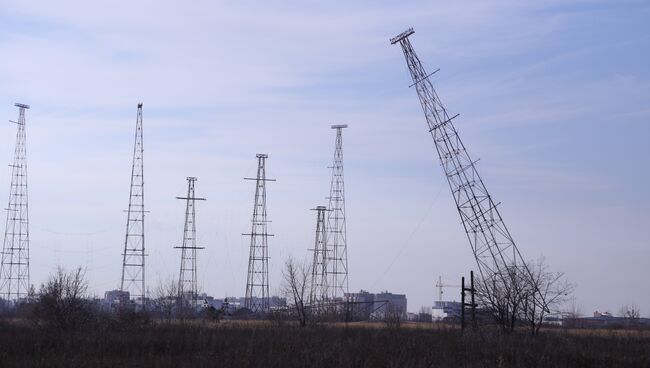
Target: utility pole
187	287
463	303
257	282
497	256
14	268
337	261
133	280
318	295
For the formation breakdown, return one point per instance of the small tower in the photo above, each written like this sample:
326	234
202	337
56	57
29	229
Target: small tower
337	263
187	284
133	256
14	268
257	282
319	270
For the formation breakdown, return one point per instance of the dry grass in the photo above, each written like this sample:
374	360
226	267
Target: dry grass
263	344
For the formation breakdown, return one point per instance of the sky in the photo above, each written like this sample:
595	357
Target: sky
553	96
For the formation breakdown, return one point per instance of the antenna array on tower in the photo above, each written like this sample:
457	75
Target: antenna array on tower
318	295
498	259
133	280
187	279
337	262
14	268
257	281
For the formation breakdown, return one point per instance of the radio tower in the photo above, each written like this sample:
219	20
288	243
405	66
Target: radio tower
187	288
257	282
133	256
499	261
14	269
337	263
319	270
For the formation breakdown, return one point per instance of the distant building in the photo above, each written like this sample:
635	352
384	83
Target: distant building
114	299
233	303
445	310
375	306
386	302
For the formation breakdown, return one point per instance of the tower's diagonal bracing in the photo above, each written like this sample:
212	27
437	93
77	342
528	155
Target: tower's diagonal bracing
14	269
257	281
499	261
187	279
337	263
133	264
318	295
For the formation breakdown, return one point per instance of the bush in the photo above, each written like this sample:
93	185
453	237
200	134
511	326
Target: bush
62	303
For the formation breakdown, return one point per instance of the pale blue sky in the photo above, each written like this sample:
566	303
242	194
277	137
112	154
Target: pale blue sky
554	98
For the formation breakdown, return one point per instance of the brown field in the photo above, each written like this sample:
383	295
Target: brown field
269	344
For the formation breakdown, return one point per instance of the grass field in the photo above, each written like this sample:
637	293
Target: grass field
259	344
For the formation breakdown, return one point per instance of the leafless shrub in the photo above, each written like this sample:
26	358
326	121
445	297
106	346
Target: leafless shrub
165	302
516	295
62	302
631	312
392	316
552	287
296	288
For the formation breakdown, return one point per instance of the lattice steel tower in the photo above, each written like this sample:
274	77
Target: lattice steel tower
187	280
14	269
319	270
337	262
133	279
257	282
499	261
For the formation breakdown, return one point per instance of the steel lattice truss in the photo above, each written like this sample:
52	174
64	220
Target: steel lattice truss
257	283
495	251
337	262
187	280
14	269
133	279
319	269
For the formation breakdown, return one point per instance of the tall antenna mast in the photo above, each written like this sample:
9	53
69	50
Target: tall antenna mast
187	286
498	259
336	229
133	279
319	270
257	282
14	269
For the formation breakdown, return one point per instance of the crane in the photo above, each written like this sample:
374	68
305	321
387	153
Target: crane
440	286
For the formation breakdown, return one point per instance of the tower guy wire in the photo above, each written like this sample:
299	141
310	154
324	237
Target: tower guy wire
14	268
187	280
257	280
133	257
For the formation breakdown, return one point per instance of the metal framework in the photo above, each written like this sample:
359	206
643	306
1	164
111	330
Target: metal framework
318	295
337	262
187	280
14	269
133	275
497	256
257	282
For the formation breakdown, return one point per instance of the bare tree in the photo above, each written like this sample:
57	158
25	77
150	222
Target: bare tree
552	287
516	295
424	314
62	302
631	312
393	316
504	294
296	288
166	299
